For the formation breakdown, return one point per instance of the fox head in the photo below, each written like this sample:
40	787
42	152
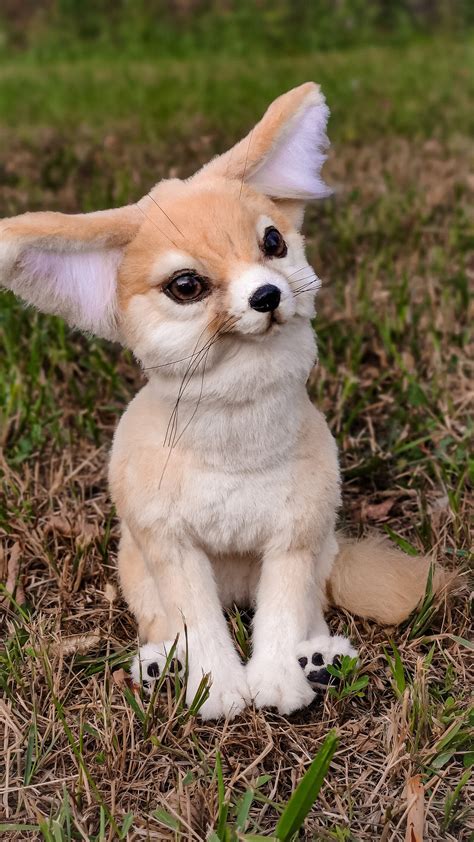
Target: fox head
218	254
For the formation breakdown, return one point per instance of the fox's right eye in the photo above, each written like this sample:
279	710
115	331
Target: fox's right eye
187	287
273	243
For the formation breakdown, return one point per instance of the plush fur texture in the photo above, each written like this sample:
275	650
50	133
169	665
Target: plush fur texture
67	265
224	475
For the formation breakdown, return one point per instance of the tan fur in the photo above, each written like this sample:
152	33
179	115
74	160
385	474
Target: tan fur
139	590
371	578
110	228
203	214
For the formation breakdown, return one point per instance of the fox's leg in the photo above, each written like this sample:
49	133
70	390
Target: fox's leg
289	619
286	597
140	591
178	590
143	597
321	649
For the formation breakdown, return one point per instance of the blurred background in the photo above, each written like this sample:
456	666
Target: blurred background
99	99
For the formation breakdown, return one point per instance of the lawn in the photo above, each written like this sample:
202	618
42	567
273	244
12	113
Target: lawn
85	758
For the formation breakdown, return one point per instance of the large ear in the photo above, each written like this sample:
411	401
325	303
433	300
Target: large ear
283	154
67	265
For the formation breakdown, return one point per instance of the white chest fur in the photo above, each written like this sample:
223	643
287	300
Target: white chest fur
235	463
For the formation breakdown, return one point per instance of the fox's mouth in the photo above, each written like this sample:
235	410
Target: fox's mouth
268	324
273	323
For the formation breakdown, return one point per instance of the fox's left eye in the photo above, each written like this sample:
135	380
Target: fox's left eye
187	287
273	243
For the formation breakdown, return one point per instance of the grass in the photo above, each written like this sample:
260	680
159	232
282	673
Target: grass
83	756
157	98
64	27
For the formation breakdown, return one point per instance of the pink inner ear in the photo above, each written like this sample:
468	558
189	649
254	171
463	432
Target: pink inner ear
292	169
80	286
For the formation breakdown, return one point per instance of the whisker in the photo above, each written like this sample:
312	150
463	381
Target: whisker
156	226
165	214
312	275
310	279
182	359
164	365
306	286
310	286
168	457
172	423
305	266
188	375
200	355
245	165
227	170
229	324
173	439
306	281
306	289
198	400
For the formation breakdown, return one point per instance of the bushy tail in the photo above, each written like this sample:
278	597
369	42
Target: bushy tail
372	579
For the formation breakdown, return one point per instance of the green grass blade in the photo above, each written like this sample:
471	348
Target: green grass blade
453	798
307	791
166	818
45	830
126	825
7	828
223	806
130	697
401	542
396	668
244	809
29	761
255	837
425	613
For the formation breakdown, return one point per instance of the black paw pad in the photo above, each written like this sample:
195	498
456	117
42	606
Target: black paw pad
320	677
317	659
302	662
153	670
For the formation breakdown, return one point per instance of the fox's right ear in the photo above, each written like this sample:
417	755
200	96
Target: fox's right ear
283	154
67	265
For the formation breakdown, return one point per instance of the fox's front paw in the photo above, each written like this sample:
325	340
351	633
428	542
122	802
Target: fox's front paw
228	693
278	684
316	654
150	663
228	688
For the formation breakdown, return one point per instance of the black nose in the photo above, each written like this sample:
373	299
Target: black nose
265	299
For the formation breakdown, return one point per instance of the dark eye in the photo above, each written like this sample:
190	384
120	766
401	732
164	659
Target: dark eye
273	243
187	288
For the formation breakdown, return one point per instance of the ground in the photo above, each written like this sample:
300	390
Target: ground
85	757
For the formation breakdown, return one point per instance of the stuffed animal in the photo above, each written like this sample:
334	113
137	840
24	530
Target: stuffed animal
224	475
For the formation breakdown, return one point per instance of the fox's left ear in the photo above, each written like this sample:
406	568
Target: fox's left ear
67	265
283	154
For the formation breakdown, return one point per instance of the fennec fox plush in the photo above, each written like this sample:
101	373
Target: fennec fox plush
224	475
